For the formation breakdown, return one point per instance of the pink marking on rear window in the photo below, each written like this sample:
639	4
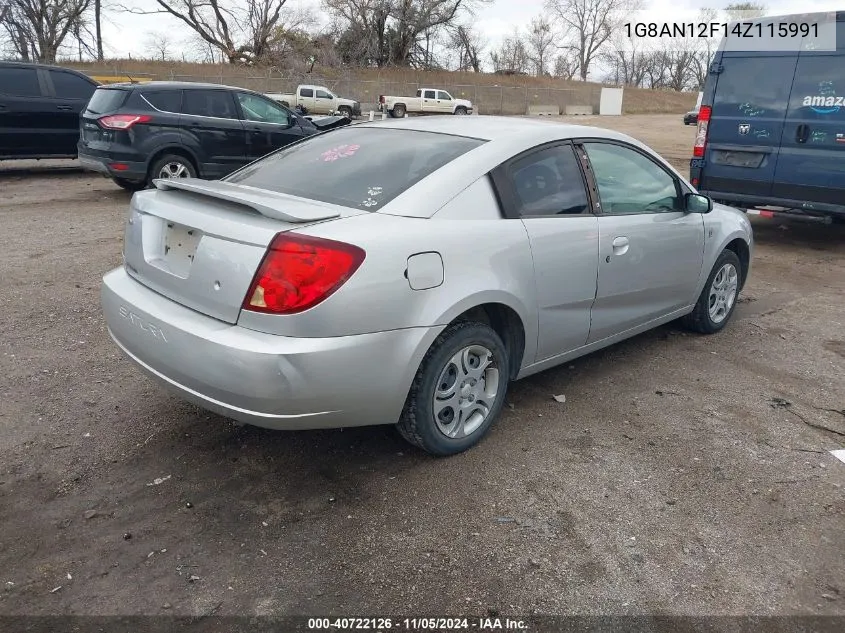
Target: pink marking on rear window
341	151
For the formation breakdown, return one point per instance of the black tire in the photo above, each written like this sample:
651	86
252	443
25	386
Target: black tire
130	185
174	159
460	110
700	320
398	111
345	111
417	424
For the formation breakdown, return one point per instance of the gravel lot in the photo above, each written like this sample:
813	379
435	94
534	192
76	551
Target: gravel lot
674	480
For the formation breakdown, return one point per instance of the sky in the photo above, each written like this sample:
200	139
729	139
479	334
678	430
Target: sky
126	34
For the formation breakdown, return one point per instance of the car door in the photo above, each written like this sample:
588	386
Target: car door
650	250
545	189
444	102
325	101
268	125
429	101
746	122
811	162
306	99
24	111
211	125
69	93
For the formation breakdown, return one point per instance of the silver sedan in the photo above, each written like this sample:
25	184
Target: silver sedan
404	272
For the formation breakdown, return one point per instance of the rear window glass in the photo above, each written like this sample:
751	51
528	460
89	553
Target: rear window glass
355	166
106	100
754	87
165	100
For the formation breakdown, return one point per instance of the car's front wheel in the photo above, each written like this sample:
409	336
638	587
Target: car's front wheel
717	300
458	391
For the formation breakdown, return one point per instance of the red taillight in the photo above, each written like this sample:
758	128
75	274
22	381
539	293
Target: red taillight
119	166
123	121
299	271
701	135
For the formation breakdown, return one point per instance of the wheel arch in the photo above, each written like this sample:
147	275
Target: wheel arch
179	150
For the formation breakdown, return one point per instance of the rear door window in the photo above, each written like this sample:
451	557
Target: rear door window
19	82
355	166
209	103
429	94
106	100
549	182
71	86
306	92
164	100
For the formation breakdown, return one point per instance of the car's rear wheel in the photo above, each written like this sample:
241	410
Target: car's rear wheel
398	111
458	391
172	166
717	300
130	185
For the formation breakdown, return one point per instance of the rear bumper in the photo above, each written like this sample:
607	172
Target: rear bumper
113	165
262	379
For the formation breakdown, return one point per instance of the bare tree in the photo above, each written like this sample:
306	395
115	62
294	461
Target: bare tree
540	42
159	45
588	25
565	66
511	57
38	28
394	32
745	10
98	28
626	59
469	46
240	29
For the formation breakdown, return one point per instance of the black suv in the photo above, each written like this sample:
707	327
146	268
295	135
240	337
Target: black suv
135	133
39	110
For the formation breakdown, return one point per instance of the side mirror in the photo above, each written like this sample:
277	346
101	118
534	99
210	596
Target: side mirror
696	203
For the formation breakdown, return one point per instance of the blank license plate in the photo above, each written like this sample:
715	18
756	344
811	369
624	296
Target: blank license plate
180	247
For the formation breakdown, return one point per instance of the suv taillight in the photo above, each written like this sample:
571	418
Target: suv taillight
701	135
299	271
123	121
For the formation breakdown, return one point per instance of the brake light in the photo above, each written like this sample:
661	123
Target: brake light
701	135
299	271
123	121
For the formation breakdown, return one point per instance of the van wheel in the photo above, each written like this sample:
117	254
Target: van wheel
398	111
717	300
458	391
130	185
172	166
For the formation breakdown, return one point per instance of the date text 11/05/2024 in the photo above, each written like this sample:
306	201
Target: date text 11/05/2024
704	30
417	624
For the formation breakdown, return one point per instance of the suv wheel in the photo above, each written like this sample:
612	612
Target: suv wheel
130	185
172	166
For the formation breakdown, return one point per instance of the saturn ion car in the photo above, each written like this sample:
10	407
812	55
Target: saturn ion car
405	271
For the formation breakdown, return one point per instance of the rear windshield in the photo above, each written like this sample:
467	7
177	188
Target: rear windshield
355	166
106	100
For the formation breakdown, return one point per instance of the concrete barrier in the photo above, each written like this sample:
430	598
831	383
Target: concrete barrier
372	115
579	109
543	110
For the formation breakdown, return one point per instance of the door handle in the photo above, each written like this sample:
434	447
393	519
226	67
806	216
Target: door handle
620	245
802	132
64	107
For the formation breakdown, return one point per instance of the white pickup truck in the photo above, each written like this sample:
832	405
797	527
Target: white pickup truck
318	100
427	101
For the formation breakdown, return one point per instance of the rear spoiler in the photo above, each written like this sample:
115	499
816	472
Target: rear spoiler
271	204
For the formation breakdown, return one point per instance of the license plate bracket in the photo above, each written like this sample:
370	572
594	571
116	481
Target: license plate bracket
180	247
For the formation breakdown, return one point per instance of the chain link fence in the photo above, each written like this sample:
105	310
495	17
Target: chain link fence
508	100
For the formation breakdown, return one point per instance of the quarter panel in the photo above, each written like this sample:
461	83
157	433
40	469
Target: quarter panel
483	261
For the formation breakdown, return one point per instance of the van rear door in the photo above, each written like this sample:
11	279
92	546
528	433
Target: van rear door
746	123
811	164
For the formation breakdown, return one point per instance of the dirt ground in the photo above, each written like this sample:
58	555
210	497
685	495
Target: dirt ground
675	479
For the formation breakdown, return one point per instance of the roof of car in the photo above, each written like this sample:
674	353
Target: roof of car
495	128
175	85
37	65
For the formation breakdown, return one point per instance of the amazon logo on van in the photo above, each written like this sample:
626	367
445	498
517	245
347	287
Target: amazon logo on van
821	101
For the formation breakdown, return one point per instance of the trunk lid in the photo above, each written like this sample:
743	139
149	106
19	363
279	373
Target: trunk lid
200	243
